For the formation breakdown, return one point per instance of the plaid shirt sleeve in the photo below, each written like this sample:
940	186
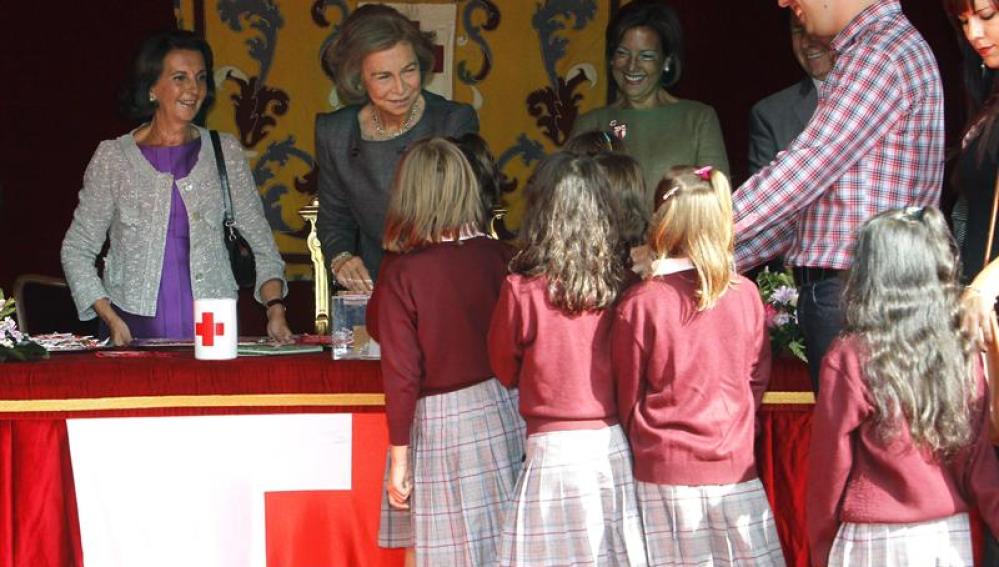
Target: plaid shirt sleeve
856	109
771	243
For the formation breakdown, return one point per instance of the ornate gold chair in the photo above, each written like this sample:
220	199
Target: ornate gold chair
320	273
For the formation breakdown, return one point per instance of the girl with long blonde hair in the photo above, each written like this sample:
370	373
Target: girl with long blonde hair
691	360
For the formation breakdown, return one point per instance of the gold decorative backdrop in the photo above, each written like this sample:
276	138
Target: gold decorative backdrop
528	67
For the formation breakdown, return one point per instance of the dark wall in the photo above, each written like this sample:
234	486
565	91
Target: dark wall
61	75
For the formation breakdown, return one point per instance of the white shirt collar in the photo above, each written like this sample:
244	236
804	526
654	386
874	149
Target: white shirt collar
467	232
667	266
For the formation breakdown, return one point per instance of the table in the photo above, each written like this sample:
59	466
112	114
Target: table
38	513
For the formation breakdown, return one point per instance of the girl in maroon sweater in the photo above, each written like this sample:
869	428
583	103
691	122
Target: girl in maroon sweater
691	359
456	441
900	448
575	502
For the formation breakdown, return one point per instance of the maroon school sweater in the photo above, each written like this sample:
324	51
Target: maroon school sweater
561	363
689	382
430	313
855	476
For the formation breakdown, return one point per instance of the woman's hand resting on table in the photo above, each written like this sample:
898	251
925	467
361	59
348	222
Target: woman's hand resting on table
120	334
277	325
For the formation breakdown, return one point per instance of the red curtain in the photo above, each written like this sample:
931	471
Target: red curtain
39	526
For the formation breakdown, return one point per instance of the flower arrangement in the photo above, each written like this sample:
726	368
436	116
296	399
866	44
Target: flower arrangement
780	299
15	345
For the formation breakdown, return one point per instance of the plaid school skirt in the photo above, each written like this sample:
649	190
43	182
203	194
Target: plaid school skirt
465	452
574	503
727	524
938	543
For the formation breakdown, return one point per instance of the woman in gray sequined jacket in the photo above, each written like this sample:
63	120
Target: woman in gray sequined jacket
139	204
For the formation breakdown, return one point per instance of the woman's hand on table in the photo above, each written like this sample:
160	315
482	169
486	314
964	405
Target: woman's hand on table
351	274
120	334
277	325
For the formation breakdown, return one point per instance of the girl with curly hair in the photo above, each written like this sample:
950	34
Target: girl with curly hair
900	447
575	501
691	360
456	441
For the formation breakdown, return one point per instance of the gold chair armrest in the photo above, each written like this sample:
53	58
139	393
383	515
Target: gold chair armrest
320	276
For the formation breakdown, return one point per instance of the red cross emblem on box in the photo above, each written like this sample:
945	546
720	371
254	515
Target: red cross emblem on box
208	329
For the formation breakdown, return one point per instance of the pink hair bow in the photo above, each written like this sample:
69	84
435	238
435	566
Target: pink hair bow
704	172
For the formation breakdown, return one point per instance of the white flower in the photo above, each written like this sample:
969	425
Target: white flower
785	295
8	331
782	319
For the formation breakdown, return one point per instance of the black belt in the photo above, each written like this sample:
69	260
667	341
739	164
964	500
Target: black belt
806	275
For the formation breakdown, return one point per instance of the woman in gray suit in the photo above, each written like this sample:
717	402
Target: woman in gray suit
155	193
380	62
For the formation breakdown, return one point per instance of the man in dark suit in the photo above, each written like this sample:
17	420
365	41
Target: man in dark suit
776	121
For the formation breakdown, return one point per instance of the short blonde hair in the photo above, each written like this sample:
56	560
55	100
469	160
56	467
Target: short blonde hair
693	219
369	29
435	196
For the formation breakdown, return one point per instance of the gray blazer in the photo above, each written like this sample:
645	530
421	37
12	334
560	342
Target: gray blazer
776	121
355	175
126	199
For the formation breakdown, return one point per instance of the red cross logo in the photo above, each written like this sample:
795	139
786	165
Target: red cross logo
208	329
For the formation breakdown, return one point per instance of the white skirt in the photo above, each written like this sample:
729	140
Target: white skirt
938	543
574	503
726	524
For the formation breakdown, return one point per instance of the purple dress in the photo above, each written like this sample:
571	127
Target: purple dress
174	317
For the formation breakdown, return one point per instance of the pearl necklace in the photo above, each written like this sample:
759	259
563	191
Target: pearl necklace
403	128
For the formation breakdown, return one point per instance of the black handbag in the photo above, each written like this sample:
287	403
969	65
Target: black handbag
244	265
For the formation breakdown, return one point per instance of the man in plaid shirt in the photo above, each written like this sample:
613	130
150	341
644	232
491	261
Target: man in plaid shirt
875	142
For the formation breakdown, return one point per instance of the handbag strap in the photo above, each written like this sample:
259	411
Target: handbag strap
223	178
992	224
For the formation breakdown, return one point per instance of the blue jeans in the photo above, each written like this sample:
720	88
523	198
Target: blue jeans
820	316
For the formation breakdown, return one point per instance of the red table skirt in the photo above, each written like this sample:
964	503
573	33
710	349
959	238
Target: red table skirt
38	518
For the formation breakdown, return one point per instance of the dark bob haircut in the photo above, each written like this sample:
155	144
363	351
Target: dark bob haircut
148	66
369	29
483	164
662	19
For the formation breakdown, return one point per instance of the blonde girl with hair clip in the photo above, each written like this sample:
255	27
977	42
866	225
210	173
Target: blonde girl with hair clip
691	360
456	440
900	447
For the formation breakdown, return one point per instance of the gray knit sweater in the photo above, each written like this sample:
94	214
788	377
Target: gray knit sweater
126	199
